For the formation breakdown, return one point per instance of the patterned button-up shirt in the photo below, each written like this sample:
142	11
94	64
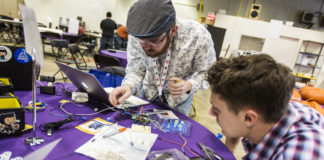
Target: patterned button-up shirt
298	135
192	53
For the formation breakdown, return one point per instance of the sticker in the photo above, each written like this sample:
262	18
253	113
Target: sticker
22	56
64	101
8	123
5	54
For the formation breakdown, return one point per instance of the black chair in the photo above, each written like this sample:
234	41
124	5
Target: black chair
60	51
90	42
59	48
78	57
103	60
71	38
116	70
48	36
109	64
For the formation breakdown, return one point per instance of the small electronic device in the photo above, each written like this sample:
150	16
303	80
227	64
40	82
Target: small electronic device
49	88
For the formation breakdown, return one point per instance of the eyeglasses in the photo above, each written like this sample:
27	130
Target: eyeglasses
153	42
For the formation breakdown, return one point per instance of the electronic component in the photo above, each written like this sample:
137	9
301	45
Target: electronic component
209	153
50	127
49	88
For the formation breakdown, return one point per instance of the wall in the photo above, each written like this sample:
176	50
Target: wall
289	10
9	8
283	49
93	11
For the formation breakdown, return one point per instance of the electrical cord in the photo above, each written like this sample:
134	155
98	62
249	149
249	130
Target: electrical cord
80	114
50	127
186	147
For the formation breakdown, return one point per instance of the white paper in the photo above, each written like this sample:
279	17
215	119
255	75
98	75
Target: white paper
131	101
41	153
119	146
33	40
74	26
96	9
275	29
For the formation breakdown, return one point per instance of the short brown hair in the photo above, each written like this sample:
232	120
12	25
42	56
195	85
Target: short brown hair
255	81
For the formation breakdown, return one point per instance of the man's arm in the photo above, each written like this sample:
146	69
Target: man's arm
135	69
204	58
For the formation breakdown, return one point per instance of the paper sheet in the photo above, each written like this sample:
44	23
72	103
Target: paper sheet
131	101
93	126
118	147
33	40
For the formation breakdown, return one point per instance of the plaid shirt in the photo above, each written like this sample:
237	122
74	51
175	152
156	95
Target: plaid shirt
298	135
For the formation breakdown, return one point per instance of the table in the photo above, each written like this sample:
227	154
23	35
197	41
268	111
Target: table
120	55
73	138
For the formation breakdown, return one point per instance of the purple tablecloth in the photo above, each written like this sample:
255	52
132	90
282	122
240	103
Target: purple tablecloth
73	138
121	56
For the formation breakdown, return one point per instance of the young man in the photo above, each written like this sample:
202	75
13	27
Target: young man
107	27
167	57
250	99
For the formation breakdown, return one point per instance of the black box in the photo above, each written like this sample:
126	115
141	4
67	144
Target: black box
12	116
17	65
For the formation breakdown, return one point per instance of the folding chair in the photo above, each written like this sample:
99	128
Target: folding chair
78	57
60	50
103	60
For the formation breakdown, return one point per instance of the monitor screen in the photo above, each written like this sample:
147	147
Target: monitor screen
64	22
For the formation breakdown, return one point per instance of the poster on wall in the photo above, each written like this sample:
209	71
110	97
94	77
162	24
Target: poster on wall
74	26
96	9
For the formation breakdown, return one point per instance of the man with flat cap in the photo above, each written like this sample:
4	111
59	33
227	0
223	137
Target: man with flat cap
167	56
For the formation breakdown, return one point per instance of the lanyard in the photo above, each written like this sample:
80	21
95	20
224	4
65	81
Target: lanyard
161	80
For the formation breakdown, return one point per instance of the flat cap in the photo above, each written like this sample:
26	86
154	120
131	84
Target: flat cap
150	18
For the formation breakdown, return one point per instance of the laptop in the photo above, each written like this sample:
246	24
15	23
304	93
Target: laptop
86	82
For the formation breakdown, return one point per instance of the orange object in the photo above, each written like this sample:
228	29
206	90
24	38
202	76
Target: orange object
295	95
314	94
314	105
122	32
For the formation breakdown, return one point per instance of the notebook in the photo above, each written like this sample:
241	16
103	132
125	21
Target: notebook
86	82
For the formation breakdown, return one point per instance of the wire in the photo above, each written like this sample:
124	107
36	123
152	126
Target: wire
200	5
140	118
195	109
186	147
79	114
239	10
54	114
156	124
185	141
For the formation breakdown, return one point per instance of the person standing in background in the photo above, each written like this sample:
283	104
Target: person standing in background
121	37
107	27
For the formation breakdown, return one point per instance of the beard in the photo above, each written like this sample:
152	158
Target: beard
154	53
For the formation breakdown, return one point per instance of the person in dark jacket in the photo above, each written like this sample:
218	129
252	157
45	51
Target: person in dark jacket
107	27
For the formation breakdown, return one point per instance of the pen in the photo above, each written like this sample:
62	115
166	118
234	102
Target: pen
114	132
102	132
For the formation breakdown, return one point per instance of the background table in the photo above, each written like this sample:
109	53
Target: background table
120	55
73	138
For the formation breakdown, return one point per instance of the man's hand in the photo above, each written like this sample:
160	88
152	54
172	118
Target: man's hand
178	87
120	94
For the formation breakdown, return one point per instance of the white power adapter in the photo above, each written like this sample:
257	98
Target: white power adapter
80	97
